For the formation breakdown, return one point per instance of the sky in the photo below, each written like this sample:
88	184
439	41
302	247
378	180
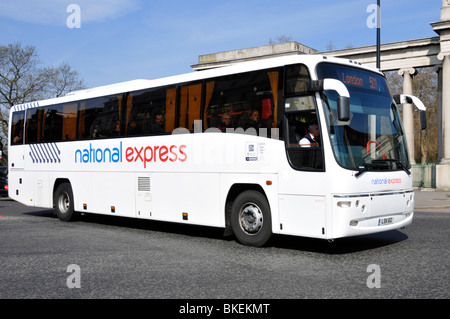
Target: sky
110	41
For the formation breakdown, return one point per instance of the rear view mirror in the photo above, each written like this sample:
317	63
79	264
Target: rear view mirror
423	120
343	108
411	99
343	100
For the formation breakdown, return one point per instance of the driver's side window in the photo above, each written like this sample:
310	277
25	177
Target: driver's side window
303	140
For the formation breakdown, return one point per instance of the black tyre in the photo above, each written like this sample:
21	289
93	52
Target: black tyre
63	202
251	220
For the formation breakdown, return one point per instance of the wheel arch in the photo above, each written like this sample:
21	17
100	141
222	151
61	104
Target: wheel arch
234	191
58	182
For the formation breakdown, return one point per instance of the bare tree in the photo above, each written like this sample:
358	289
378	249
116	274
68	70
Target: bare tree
23	79
425	88
330	46
62	80
283	38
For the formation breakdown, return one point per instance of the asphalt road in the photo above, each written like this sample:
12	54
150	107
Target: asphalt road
110	257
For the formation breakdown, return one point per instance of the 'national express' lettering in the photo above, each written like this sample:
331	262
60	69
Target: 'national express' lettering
145	155
149	154
98	155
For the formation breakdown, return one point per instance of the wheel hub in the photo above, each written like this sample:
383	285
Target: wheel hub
64	202
251	218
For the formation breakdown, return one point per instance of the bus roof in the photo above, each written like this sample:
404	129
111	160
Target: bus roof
240	67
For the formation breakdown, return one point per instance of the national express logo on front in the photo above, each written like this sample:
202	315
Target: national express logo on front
132	154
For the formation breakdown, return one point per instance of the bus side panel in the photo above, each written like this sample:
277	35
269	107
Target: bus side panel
17	189
303	215
42	190
16	158
83	191
303	203
182	197
113	193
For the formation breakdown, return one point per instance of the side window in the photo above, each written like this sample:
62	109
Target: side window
52	123
100	117
17	128
303	140
190	105
297	79
148	110
33	126
248	100
88	126
69	125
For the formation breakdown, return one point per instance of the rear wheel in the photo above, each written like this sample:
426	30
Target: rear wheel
63	202
251	219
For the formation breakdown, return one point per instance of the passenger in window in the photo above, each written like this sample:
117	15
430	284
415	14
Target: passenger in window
19	138
116	130
158	124
132	128
312	139
254	120
96	133
226	122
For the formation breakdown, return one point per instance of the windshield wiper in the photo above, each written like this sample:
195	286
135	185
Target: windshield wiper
398	164
382	164
367	167
362	170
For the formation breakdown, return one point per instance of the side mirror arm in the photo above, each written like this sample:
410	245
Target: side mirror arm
343	101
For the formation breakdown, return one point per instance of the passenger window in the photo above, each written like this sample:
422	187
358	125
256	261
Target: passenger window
69	128
53	122
17	128
190	104
34	122
100	117
248	100
146	111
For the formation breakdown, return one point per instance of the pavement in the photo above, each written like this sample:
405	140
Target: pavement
432	200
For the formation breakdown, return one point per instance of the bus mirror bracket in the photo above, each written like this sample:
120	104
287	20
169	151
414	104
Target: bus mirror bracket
411	99
343	101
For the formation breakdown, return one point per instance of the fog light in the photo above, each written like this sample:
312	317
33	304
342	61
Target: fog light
345	204
354	223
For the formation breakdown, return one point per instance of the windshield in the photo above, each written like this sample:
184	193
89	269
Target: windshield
373	138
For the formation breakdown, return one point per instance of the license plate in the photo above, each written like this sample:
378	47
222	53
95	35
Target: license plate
385	221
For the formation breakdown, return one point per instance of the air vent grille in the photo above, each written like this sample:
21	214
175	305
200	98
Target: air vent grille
144	184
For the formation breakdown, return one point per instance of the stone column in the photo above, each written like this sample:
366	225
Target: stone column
440	154
408	110
445	102
443	167
443	29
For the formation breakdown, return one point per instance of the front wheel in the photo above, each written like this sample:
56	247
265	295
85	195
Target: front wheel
250	219
63	202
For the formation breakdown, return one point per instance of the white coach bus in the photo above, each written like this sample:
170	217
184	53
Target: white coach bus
304	145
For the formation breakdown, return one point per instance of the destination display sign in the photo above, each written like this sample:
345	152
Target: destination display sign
353	77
